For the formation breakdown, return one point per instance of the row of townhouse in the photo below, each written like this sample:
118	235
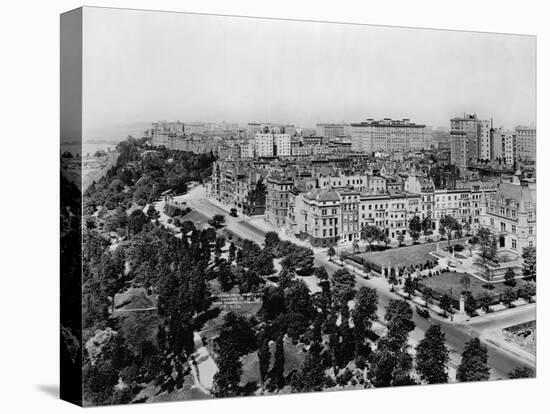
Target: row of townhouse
326	216
327	209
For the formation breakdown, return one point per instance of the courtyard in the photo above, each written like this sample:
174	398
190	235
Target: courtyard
451	284
406	256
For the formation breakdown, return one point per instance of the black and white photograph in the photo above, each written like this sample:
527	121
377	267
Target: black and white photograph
353	207
273	207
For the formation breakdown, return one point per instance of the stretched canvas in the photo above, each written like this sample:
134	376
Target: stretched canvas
256	206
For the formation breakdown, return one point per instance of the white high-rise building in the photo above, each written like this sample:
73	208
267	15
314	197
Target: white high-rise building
387	135
264	145
485	148
282	145
526	143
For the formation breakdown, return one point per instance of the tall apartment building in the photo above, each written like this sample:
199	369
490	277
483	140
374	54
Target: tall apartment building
510	148
470	140
282	145
485	144
526	144
278	189
263	145
387	135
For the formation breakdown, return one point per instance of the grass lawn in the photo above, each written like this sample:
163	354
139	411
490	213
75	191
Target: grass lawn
293	361
450	283
408	255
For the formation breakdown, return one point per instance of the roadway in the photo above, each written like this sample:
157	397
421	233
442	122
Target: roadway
501	361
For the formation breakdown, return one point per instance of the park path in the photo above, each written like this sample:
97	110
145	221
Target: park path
203	365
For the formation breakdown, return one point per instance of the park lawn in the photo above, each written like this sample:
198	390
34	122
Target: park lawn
407	255
449	282
137	326
294	357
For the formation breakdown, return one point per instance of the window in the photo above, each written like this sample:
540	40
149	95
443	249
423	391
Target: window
513	228
502	226
514	244
530	231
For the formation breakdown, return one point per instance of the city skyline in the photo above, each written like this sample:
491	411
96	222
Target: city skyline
332	73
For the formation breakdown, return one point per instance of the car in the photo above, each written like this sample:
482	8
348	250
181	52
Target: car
422	312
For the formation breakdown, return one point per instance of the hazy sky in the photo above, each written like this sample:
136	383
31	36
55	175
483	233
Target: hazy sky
147	66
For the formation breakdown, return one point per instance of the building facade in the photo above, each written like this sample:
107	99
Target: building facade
510	213
387	135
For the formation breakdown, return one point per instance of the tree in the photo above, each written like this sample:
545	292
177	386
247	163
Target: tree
485	302
510	277
152	212
473	366
448	224
264	359
136	221
530	263
427	226
273	302
415	227
529	290
232	252
311	376
508	296
321	273
409	286
263	263
364	313
427	296
225	275
218	246
298	299
237	333
370	234
300	260
457	228
343	285
446	304
391	362
271	239
400	238
522	372
331	253
217	221
399	320
392	280
248	253
432	356
487	247
470	304
278	370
